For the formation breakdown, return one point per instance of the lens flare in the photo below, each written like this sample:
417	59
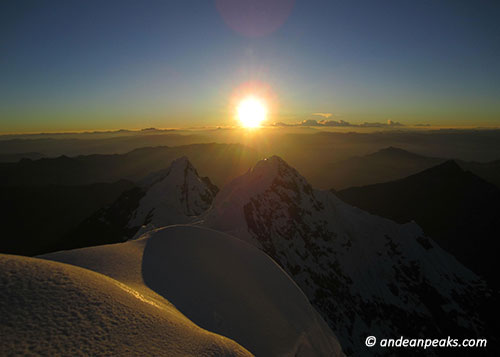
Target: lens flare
254	18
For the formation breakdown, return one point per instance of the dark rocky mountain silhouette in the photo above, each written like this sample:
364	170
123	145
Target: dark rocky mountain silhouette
489	171
459	210
15	157
366	275
222	161
384	165
394	163
35	218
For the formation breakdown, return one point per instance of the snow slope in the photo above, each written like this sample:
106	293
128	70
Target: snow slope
221	283
49	308
366	275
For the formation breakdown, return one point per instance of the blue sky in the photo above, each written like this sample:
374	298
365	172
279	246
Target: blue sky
75	65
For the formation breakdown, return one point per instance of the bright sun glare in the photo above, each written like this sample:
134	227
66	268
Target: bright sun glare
251	112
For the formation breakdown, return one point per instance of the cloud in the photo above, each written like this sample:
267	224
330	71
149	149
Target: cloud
335	123
280	123
390	123
342	123
310	122
393	123
324	115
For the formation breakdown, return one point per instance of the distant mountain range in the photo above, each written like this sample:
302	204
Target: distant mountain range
394	163
15	157
74	144
458	209
222	161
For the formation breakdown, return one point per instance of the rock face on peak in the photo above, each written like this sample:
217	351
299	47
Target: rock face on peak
366	275
228	212
175	195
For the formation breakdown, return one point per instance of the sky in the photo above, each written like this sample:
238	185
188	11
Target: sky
82	65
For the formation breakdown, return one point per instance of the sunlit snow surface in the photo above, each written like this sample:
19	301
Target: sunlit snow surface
220	283
53	309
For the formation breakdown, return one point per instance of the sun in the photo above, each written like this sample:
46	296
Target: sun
251	112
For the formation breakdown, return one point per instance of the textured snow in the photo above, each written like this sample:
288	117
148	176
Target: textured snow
220	283
53	309
364	273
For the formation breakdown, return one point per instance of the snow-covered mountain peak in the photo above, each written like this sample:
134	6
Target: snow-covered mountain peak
173	196
177	169
272	174
269	166
359	270
181	166
272	167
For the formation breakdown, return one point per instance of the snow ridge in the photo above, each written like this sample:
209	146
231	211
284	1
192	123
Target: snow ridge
220	283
